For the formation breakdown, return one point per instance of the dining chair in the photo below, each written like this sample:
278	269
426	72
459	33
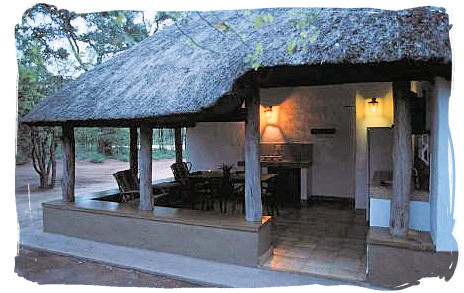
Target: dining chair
269	197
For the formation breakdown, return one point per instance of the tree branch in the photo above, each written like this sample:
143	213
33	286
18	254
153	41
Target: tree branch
76	54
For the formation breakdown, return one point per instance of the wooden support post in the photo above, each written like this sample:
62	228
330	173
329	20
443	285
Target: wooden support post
145	167
69	153
178	143
253	206
134	150
402	160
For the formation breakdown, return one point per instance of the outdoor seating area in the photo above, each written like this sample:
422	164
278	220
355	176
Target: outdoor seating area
219	190
320	120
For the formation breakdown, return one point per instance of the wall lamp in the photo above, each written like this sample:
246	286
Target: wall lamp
268	112
373	105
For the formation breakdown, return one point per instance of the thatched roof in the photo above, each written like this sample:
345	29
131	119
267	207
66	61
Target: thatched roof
190	66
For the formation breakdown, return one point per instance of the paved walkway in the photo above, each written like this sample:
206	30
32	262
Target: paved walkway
170	265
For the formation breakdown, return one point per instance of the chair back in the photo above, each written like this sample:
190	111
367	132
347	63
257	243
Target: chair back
181	170
127	181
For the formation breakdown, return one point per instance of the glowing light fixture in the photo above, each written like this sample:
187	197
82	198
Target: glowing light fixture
268	112
373	105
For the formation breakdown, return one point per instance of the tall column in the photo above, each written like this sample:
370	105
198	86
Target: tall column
69	153
253	206
134	150
402	160
178	143
145	167
442	169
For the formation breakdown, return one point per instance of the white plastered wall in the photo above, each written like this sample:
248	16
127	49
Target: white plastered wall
442	171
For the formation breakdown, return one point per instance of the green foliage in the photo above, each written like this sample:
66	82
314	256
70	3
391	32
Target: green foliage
305	24
254	59
43	67
222	26
262	19
165	154
93	156
291	47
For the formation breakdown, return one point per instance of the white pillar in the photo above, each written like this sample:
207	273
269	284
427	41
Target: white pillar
442	171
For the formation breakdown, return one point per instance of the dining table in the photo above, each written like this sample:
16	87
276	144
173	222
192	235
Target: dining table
238	177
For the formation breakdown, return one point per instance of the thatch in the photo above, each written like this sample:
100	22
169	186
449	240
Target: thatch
188	67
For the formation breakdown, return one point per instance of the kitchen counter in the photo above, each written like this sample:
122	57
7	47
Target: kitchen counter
286	164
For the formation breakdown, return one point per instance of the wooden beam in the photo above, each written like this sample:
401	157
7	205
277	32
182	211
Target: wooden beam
253	206
145	167
402	160
178	144
134	150
68	153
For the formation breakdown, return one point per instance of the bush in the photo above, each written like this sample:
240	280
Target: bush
94	156
164	154
21	158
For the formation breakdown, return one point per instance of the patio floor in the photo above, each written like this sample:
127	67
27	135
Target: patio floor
323	238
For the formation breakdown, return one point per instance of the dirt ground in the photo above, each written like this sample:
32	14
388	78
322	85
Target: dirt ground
90	177
48	268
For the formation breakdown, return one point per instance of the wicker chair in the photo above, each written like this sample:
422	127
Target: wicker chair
128	184
181	170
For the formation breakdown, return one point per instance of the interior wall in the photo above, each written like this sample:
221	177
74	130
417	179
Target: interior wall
383	117
210	144
304	108
295	112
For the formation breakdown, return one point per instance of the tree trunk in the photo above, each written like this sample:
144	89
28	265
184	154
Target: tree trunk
53	158
43	154
402	160
68	149
134	151
145	167
178	144
253	205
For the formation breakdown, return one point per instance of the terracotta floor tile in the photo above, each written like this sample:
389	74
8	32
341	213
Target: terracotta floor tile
348	275
315	270
320	240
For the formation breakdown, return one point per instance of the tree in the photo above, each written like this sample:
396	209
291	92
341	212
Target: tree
34	83
44	145
54	45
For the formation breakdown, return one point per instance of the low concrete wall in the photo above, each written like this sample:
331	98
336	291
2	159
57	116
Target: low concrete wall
419	214
236	246
399	267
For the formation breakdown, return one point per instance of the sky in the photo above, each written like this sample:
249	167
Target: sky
12	15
